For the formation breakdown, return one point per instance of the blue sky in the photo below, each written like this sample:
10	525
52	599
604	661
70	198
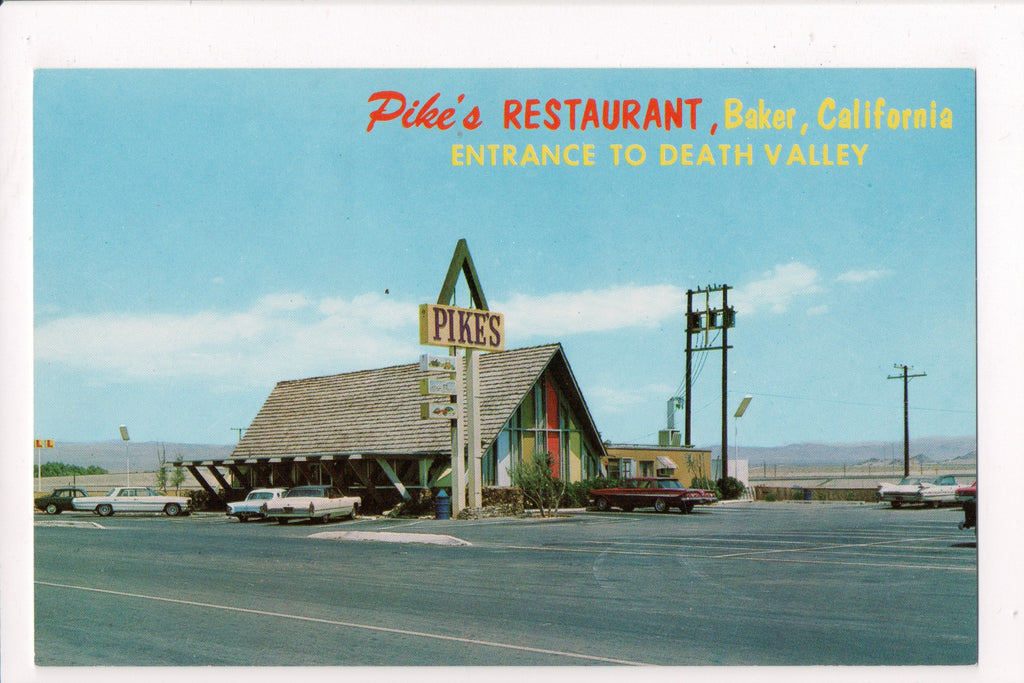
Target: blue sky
202	234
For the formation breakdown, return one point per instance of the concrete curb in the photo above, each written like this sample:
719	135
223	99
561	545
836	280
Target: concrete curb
388	537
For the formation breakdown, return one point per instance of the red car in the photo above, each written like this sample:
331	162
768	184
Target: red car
659	493
967	496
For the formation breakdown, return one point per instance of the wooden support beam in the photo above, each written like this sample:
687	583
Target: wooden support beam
438	470
283	471
424	467
219	477
336	473
357	466
395	481
239	476
261	472
305	475
202	481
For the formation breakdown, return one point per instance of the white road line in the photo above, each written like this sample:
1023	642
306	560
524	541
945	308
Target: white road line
809	549
333	622
741	556
883	545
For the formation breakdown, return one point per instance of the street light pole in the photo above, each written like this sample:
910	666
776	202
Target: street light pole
736	422
127	460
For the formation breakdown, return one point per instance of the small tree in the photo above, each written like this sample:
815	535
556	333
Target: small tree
539	486
161	470
177	476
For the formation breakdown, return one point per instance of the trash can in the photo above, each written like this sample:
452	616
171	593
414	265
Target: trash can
442	505
808	494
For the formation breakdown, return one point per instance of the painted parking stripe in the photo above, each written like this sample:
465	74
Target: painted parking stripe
347	624
883	546
818	547
752	558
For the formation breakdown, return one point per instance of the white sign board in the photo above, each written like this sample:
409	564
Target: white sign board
429	363
444	387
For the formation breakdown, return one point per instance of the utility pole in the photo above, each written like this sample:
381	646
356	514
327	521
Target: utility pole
711	318
906	377
239	430
689	369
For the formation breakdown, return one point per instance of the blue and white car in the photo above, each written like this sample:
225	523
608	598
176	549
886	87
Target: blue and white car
252	506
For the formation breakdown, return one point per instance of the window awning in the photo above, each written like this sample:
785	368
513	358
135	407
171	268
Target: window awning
665	464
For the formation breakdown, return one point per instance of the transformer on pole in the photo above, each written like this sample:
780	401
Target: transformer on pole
703	321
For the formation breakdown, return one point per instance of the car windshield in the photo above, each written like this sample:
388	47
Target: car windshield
669	484
306	491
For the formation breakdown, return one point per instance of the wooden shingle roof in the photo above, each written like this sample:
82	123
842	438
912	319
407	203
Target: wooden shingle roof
377	412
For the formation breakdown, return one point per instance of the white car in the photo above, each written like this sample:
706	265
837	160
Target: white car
252	506
133	499
315	503
918	490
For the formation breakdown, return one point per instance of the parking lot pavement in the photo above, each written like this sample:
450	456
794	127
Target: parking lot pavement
752	584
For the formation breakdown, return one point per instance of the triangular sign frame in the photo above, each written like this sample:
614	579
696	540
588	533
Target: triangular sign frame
461	260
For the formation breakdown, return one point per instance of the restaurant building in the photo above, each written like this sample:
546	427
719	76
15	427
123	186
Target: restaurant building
364	433
678	462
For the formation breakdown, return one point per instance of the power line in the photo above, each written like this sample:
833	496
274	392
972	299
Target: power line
906	377
818	399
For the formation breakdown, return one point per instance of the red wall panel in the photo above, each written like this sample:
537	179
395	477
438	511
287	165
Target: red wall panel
551	407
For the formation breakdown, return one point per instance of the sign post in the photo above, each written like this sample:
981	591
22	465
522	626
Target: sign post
41	444
473	330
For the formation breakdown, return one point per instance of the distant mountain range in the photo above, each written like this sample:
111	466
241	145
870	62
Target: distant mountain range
926	449
144	456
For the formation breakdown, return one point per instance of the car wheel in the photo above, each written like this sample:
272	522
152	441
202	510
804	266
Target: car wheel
602	504
172	509
242	517
282	520
896	504
687	508
104	510
627	508
355	511
660	505
52	509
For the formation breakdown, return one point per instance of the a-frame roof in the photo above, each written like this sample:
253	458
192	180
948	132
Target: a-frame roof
377	412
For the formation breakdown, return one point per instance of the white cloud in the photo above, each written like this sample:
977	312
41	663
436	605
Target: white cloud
289	335
615	308
620	400
777	289
283	336
857	276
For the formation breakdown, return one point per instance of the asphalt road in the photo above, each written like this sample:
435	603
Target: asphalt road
747	584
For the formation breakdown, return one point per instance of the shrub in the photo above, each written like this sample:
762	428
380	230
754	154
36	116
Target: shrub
730	487
577	494
539	486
